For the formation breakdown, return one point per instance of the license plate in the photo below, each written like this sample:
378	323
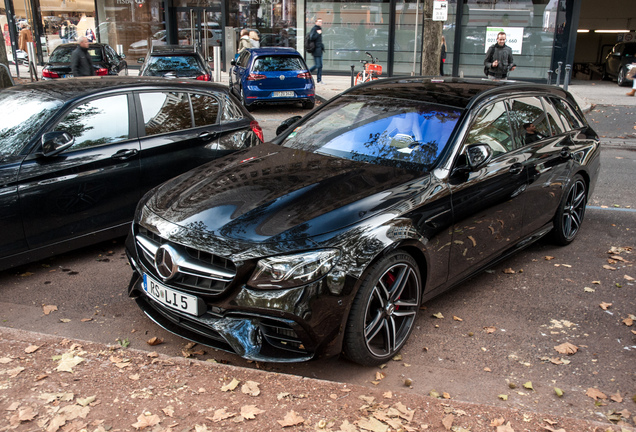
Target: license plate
68	76
171	298
284	94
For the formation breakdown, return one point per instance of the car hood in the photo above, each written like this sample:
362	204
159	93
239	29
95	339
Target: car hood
271	193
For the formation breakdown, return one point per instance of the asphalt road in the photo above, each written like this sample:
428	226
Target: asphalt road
543	304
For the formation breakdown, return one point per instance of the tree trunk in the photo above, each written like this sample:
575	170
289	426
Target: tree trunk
431	42
5	81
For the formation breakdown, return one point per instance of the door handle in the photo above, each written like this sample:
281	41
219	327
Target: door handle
516	168
125	154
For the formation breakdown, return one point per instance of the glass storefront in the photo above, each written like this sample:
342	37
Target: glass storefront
389	29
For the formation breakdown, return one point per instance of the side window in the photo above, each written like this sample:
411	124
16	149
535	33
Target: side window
567	113
553	118
493	128
244	59
529	120
165	112
205	109
231	111
98	122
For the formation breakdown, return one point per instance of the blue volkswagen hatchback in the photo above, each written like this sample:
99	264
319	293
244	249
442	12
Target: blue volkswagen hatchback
272	75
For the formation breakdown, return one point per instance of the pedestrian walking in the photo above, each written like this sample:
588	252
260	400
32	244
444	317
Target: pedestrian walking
632	74
442	57
244	41
24	37
315	36
81	62
499	61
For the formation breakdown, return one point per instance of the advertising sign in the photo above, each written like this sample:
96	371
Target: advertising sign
514	37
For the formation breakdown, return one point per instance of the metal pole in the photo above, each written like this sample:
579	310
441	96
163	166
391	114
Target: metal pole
217	63
352	72
417	19
566	80
558	72
550	72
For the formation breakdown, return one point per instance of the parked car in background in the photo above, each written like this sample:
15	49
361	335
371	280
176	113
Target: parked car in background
175	61
105	60
619	61
140	47
75	157
272	75
331	237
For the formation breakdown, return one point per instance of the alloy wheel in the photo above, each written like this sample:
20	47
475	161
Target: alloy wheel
574	210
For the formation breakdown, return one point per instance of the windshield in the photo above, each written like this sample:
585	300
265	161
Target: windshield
378	130
181	65
22	114
63	54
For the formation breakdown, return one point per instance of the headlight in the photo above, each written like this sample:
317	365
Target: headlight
293	270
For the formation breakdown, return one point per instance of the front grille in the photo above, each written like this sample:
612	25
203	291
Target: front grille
199	273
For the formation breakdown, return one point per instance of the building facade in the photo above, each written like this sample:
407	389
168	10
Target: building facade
541	32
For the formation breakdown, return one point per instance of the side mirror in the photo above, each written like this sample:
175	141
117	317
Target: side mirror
140	59
56	142
286	124
478	155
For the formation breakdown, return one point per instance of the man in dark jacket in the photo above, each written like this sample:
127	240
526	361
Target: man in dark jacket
81	63
315	35
499	59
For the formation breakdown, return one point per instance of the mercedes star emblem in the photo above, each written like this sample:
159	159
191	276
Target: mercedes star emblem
165	262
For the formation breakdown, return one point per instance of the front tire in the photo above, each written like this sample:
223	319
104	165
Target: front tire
622	80
384	310
569	217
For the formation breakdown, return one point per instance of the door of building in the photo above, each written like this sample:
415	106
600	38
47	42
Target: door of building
201	27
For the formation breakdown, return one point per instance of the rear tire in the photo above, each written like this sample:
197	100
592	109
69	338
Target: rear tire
383	312
569	217
250	108
309	104
622	80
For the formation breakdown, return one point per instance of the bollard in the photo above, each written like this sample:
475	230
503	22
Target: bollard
217	63
566	79
550	72
558	72
352	73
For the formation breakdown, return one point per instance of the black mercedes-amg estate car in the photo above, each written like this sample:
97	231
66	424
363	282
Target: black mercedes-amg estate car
330	238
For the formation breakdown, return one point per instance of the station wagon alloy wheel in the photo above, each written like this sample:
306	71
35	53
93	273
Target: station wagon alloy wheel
572	212
384	311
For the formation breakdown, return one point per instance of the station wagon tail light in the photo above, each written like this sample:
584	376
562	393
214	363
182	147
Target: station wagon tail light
305	75
255	77
256	128
48	74
101	72
205	77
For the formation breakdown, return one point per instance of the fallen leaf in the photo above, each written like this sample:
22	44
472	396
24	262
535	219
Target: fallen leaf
609	267
503	397
617	397
372	424
379	376
509	271
169	410
68	361
566	348
457	318
250	412
251	388
505	428
629	278
86	401
31	349
231	386
497	422
605	305
588	289
628	321
558	392
47	309
221	414
86	319
154	341
438	315
548	257
595	394
291	419
490	329
65	320
447	421
144	421
528	386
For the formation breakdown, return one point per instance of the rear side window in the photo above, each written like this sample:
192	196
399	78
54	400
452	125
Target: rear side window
165	112
553	118
567	113
525	112
231	111
205	109
278	64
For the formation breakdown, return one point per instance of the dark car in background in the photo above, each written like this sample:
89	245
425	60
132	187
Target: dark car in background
331	237
619	61
272	75
105	59
77	154
175	61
